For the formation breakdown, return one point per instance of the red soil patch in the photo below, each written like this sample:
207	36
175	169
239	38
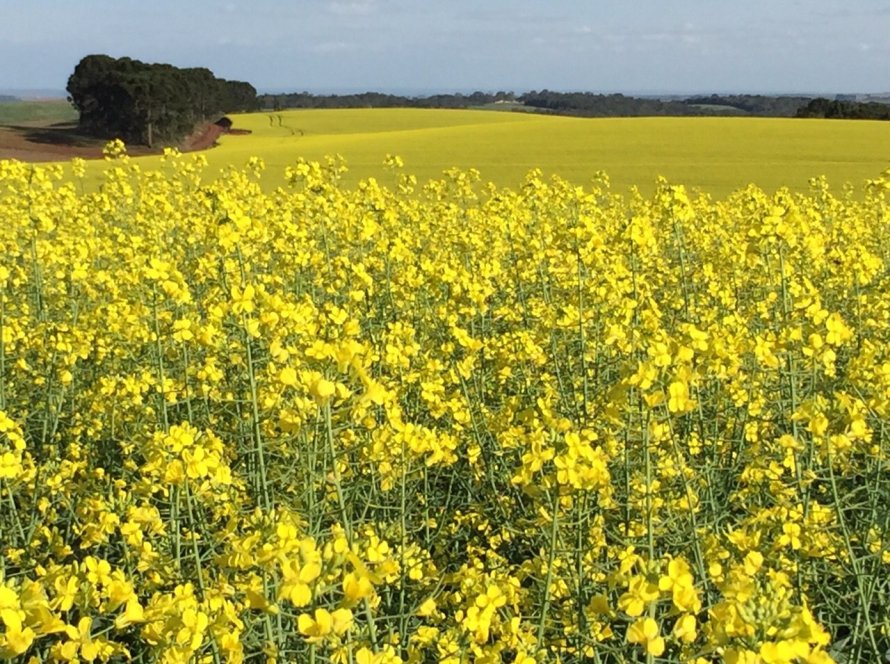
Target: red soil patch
62	143
48	144
204	138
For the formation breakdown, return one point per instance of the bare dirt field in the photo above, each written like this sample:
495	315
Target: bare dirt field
32	142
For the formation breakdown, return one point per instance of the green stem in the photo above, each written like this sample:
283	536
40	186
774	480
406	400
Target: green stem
159	349
174	526
261	485
14	511
193	526
403	537
854	561
548	581
344	515
185	383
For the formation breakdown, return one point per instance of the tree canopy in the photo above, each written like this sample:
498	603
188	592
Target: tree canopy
842	109
147	103
381	100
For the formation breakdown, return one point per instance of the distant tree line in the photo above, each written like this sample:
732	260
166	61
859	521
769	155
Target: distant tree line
5	98
781	106
775	106
380	100
598	105
847	110
561	103
150	103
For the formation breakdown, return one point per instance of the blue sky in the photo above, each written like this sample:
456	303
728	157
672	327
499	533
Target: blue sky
413	46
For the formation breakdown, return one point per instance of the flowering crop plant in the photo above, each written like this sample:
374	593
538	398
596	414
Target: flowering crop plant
448	422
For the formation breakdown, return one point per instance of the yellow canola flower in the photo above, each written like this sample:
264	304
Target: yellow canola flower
17	638
288	377
323	623
375	393
783	652
478	621
679	400
194	624
133	614
16	642
243	299
753	562
640	593
256	600
678	574
386	655
645	632
744	656
492	597
343	620
322	390
10	465
427	608
297	582
837	331
685	629
524	657
356	587
80	640
679	581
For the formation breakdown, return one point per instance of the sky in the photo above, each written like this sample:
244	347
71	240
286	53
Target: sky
426	46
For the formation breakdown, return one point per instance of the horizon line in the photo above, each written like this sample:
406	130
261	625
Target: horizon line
27	94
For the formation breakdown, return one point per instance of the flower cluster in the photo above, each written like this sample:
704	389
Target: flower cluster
450	422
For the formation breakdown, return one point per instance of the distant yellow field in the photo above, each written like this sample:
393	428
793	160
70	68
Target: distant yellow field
715	155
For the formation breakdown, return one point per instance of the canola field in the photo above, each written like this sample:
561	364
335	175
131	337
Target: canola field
714	155
440	422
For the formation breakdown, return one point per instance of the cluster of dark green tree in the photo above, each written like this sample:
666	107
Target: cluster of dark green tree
278	102
7	98
148	103
599	105
849	110
560	103
773	106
